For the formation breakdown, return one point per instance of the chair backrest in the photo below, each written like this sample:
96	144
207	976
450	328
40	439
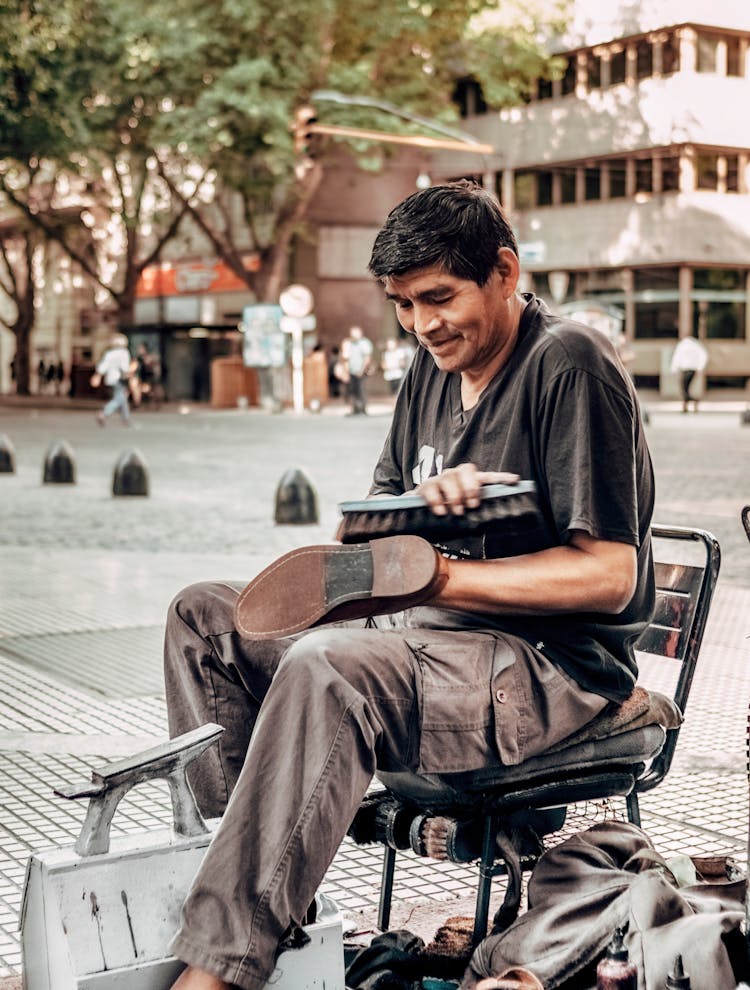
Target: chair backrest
683	598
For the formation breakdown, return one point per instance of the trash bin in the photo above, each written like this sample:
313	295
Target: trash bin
230	381
315	371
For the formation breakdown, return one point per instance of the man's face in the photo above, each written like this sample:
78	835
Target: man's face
464	326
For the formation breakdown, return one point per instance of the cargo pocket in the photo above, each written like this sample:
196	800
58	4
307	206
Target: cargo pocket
454	676
510	704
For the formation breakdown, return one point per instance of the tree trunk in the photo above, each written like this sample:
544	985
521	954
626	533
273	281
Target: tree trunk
21	330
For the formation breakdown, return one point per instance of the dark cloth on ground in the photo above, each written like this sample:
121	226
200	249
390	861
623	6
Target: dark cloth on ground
611	876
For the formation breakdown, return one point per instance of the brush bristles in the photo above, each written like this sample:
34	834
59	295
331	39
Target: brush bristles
360	526
436	833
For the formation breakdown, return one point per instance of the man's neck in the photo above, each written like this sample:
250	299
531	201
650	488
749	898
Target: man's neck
474	382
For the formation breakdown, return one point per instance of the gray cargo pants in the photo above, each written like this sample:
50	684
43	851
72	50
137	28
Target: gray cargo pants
307	721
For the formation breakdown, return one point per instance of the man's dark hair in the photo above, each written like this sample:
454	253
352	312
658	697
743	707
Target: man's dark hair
458	226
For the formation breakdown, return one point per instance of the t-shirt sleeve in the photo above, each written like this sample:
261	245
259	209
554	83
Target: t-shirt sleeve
388	476
588	459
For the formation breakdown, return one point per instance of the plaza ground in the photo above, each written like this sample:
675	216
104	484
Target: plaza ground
86	578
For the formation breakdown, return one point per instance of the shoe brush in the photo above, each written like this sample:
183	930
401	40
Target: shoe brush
410	514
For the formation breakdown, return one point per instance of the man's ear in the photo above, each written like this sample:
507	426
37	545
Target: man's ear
509	268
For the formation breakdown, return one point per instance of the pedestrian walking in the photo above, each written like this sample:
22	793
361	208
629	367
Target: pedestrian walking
337	373
143	375
51	375
114	370
59	377
394	363
510	643
689	357
356	353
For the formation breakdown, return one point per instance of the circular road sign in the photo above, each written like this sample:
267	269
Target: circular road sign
296	300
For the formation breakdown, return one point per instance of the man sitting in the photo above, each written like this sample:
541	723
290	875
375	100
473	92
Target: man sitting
519	640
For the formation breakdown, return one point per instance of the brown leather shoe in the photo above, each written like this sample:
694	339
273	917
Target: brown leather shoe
331	583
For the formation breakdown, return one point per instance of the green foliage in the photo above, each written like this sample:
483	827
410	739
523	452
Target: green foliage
40	76
181	106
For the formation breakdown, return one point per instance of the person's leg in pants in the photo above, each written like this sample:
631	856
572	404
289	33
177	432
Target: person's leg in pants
208	678
118	401
687	378
359	401
341	700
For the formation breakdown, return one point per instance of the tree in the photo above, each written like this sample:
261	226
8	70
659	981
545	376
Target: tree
75	136
122	117
260	69
19	253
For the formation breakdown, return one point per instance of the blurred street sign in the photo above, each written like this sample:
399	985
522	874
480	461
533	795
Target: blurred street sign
296	300
264	344
532	252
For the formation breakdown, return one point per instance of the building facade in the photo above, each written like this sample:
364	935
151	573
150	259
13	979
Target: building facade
628	179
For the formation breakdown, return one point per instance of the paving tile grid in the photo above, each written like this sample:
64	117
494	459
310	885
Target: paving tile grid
82	618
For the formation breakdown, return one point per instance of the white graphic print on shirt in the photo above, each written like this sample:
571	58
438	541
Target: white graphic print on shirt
430	463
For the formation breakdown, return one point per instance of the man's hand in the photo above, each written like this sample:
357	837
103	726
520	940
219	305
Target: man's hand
458	489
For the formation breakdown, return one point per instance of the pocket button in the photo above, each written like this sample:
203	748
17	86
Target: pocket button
501	696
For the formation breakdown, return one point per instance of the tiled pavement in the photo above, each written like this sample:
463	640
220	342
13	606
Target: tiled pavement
85	581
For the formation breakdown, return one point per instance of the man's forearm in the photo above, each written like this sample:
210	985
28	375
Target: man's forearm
596	577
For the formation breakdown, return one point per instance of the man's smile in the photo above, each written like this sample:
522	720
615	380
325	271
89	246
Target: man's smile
440	343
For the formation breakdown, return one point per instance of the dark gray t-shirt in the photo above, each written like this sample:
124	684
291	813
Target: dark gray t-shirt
563	413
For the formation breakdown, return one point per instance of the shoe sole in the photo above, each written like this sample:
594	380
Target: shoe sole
305	586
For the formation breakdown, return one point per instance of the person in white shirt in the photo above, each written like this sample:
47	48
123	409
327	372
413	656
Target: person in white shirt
689	357
114	370
356	351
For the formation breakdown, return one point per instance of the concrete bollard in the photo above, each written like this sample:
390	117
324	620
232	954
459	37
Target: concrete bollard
7	455
59	464
130	475
296	500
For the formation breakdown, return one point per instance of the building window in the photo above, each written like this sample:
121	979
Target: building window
734	57
670	174
617	178
706	49
657	303
499	187
593	183
543	89
670	54
543	188
609	283
644	175
617	67
656	280
568	185
644	59
524	189
568	82
468	96
707	172
719	303
593	70
733	173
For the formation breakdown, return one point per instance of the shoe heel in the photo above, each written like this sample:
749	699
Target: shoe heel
402	565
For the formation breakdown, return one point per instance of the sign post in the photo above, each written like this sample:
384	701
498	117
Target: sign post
264	348
296	302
